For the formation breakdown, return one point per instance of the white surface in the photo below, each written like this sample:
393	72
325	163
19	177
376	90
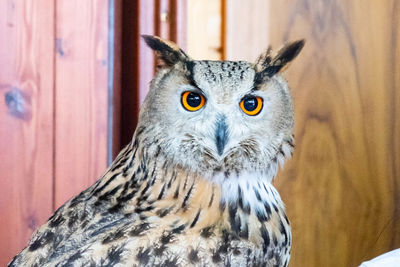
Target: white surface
390	259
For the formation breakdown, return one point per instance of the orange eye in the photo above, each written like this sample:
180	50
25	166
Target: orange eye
192	101
251	105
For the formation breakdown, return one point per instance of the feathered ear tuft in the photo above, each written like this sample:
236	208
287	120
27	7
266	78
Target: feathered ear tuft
267	66
264	59
167	52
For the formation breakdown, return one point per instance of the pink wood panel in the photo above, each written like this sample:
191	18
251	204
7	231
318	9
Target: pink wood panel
147	25
26	120
163	18
117	76
81	95
180	23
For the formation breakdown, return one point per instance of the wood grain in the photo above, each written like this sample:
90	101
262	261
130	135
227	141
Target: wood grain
81	95
26	119
204	28
179	23
162	18
149	16
246	29
342	185
117	77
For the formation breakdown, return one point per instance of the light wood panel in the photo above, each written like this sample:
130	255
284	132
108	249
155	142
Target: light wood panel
26	121
204	27
342	185
81	95
246	29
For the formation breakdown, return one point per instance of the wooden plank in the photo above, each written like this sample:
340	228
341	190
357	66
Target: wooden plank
146	63
26	119
246	29
117	78
81	95
204	29
129	69
342	185
179	11
163	18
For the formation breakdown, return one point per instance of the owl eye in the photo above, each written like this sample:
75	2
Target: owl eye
251	105
192	101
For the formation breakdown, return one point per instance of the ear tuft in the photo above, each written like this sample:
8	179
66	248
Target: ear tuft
264	59
168	52
266	66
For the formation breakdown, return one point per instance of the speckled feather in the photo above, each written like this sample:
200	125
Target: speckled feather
170	199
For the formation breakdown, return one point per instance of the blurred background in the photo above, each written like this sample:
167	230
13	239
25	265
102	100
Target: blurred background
73	74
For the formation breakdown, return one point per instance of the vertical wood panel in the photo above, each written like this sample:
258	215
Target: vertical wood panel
147	25
163	18
204	26
342	185
117	78
26	119
130	68
179	13
81	95
246	29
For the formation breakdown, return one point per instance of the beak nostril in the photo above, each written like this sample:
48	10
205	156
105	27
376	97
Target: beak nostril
221	135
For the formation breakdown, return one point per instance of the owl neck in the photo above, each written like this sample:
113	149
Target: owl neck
144	183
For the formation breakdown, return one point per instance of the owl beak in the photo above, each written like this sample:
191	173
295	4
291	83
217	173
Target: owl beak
221	135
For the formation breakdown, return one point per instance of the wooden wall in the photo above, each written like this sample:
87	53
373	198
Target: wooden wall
26	120
72	76
53	109
81	95
342	185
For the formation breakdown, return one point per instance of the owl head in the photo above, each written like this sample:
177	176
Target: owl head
212	117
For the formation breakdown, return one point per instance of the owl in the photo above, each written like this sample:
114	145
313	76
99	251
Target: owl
194	186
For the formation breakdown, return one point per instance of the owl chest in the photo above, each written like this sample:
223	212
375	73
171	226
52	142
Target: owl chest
206	247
